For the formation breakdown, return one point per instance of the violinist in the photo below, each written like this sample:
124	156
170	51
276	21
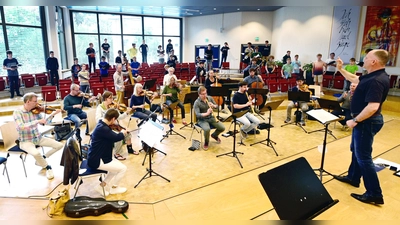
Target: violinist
101	110
171	93
256	81
138	101
73	104
242	102
29	135
302	105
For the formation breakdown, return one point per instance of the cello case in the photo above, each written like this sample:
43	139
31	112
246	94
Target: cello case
85	206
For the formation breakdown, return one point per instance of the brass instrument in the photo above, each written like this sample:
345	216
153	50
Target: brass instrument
251	107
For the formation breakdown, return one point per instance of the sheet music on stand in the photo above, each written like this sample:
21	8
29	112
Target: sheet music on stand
323	116
151	132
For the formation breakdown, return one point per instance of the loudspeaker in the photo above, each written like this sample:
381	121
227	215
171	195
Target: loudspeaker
295	191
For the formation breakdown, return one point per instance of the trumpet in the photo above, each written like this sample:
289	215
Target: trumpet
251	107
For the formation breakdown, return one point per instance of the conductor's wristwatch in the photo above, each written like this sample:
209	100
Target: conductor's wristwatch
355	120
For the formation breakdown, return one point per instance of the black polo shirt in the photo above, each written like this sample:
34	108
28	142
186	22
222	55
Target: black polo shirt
373	87
240	98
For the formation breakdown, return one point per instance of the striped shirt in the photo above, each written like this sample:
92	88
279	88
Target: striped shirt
27	125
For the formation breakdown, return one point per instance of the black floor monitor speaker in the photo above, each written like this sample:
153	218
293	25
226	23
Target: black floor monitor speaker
295	191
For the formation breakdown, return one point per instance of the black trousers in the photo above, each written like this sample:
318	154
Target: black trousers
14	85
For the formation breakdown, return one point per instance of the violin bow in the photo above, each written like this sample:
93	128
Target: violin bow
45	103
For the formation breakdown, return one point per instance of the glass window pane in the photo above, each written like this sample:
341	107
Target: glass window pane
175	43
172	27
21	40
152	26
132	24
115	44
128	40
82	43
153	43
2	44
109	23
84	22
26	15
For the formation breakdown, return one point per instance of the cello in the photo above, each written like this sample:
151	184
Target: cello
258	98
218	99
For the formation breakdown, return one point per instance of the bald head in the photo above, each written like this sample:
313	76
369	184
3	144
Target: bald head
376	60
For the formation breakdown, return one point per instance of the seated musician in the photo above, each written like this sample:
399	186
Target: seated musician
101	110
242	102
168	76
100	154
253	65
345	99
29	136
138	101
73	104
203	109
200	72
253	78
211	80
302	105
171	93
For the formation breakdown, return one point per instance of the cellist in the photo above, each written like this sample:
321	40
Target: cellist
254	81
213	80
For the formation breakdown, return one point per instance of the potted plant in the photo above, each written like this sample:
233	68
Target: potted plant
308	70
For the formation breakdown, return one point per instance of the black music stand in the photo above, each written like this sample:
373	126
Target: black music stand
330	105
151	126
148	84
220	92
171	126
325	118
258	91
298	96
234	152
268	140
190	98
150	152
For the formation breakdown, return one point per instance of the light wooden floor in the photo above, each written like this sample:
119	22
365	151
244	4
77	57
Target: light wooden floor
206	187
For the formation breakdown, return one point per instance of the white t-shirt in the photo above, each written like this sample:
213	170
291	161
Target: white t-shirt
167	77
328	67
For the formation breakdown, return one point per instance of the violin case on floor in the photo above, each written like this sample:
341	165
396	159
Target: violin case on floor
85	206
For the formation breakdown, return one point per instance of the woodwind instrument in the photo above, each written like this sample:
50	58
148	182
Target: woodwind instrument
209	106
251	107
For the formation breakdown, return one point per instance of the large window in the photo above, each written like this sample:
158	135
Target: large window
123	30
24	36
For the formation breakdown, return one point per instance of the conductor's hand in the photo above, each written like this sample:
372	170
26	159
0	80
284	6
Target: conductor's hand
339	63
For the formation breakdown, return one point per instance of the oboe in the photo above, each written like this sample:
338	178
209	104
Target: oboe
252	110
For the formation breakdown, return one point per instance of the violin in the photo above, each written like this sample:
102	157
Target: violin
119	106
83	94
39	109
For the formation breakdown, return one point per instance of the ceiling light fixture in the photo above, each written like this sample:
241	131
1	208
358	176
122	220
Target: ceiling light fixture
215	8
238	8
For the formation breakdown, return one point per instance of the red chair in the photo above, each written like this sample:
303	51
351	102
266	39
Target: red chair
284	86
2	84
64	91
49	93
28	80
273	86
41	79
65	83
111	87
326	81
338	82
393	80
97	89
225	66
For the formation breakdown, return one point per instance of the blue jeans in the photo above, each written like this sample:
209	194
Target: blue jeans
361	161
76	118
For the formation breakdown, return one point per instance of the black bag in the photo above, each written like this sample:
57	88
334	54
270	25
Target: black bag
85	150
63	131
155	108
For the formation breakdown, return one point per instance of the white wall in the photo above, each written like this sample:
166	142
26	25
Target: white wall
304	31
239	28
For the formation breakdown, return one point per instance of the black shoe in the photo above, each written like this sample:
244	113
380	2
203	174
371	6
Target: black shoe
19	95
368	199
345	179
